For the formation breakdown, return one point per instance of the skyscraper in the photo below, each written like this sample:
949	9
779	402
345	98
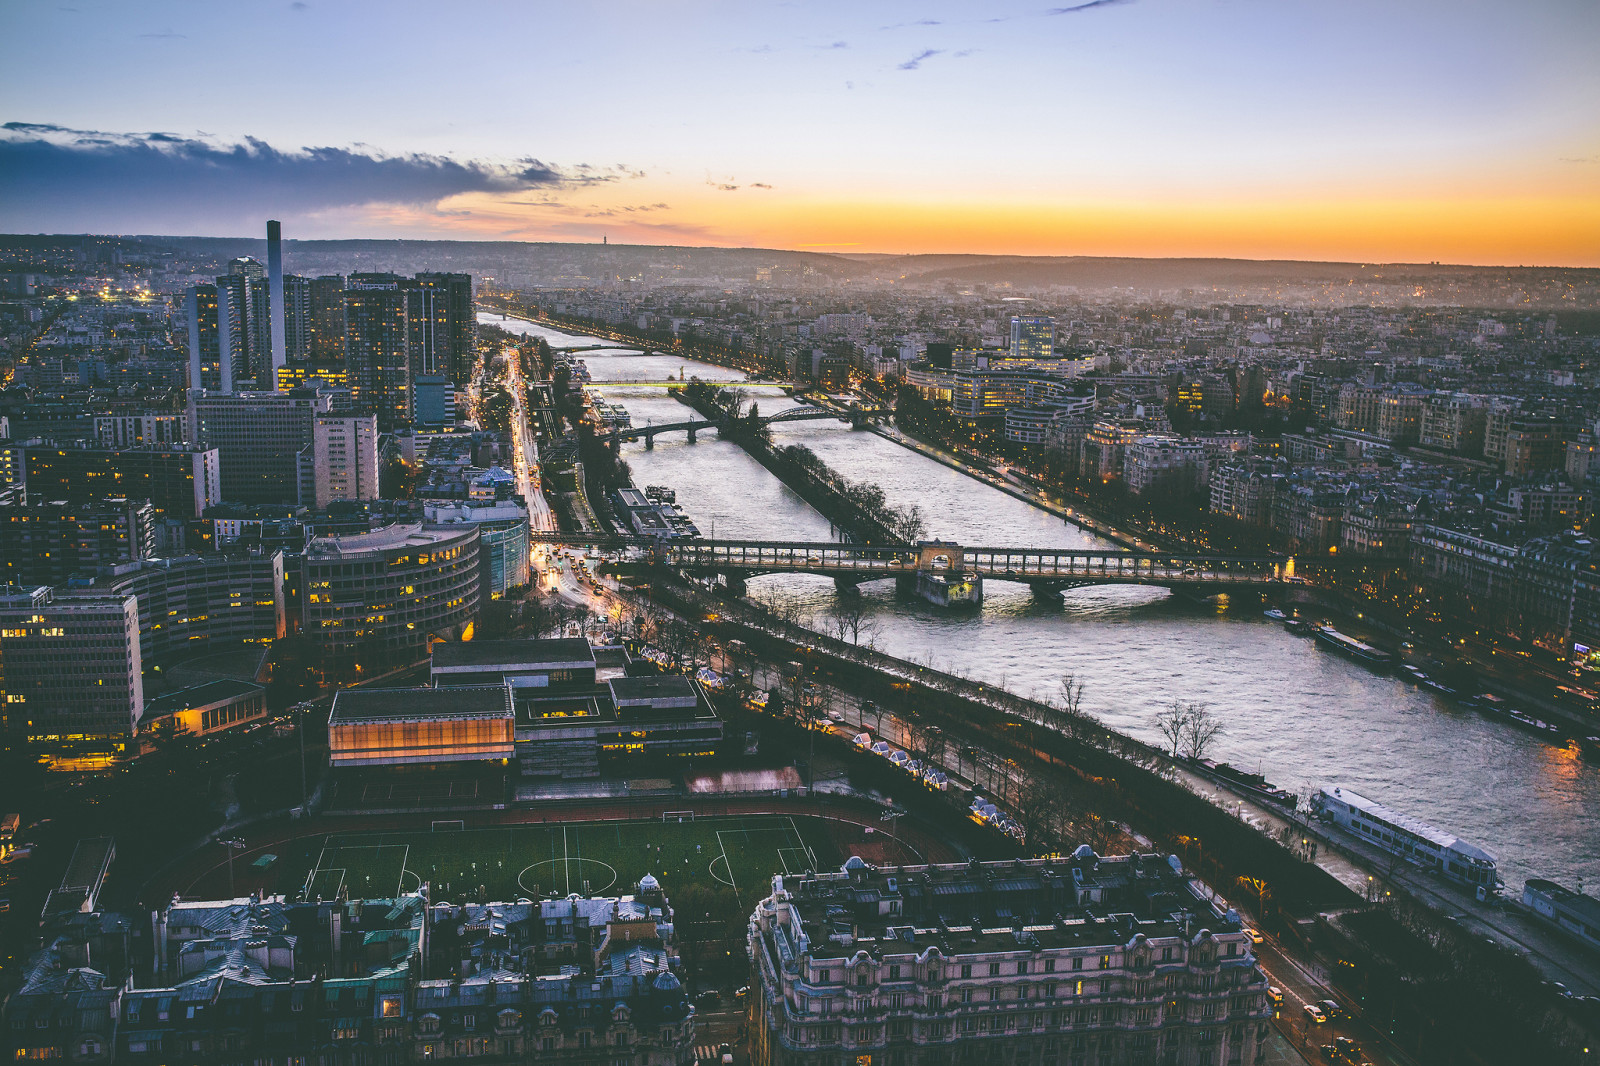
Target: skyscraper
262	441
275	330
1033	337
327	317
205	359
296	318
345	458
377	347
456	325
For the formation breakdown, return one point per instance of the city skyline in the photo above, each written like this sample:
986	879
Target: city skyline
1365	133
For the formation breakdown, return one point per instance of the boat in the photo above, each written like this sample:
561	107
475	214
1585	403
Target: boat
1245	781
1535	725
1298	626
1345	644
1410	838
1274	614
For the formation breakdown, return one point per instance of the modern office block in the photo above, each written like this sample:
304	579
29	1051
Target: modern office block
180	480
345	458
70	670
260	438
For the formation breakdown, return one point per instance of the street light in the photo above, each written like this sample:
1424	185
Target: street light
233	844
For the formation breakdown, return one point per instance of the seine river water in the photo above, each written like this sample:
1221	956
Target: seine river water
1294	712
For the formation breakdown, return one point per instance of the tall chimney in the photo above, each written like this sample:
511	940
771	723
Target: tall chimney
275	298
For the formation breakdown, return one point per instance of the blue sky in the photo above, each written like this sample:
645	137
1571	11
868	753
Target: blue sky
1150	126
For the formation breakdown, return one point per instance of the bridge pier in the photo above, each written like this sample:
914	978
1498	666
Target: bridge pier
736	583
949	588
846	586
691	432
649	442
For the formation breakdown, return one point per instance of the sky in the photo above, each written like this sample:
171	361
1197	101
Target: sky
1462	131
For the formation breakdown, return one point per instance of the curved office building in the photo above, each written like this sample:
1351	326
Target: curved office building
374	599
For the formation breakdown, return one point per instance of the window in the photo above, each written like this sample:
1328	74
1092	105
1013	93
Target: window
1022	965
1105	962
1077	963
824	976
862	980
994	969
894	973
1049	965
966	970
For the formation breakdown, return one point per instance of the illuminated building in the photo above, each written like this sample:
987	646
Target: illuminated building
47	543
326	322
395	727
1165	464
263	442
205	343
202	710
382	595
1091	960
123	431
505	547
196	602
377	354
180	481
1033	337
344	453
71	679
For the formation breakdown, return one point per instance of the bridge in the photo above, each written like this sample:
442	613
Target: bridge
946	572
673	383
856	416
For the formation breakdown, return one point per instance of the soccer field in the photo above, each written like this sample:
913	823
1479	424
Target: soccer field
540	861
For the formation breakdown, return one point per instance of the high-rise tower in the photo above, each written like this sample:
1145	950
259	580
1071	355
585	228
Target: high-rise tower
275	304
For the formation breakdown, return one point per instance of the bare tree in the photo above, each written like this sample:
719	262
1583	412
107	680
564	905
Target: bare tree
1203	728
851	618
1173	723
912	524
1073	721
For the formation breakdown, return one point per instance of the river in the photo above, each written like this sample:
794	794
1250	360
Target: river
1294	712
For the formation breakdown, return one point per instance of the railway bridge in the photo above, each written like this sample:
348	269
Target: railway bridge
946	572
857	416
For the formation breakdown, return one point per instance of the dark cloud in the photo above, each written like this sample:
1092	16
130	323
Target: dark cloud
759	185
1086	6
53	177
916	61
299	5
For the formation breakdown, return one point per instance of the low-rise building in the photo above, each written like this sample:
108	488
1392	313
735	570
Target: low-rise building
1118	959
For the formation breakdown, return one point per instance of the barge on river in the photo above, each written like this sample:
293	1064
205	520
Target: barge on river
1410	838
1359	650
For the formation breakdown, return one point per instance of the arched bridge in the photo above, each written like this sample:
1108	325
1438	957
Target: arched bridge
856	416
945	571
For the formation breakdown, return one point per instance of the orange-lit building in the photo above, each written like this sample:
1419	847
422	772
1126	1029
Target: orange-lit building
399	727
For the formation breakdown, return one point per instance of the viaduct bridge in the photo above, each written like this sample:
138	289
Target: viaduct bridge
949	573
857	416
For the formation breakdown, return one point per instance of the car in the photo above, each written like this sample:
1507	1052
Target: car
1329	1052
835	716
1275	994
1331	1008
1314	1014
740	993
1347	1047
1255	937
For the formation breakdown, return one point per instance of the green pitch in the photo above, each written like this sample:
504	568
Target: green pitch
541	861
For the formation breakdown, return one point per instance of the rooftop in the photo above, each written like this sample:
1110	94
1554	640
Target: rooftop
389	538
204	695
419	704
567	652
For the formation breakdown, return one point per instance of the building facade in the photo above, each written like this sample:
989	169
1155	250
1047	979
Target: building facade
70	671
1094	961
180	481
344	458
382	595
262	440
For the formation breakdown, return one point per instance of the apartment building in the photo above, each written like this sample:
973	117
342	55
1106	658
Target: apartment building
1087	961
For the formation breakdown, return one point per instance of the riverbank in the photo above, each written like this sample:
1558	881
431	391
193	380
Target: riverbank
1038	499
